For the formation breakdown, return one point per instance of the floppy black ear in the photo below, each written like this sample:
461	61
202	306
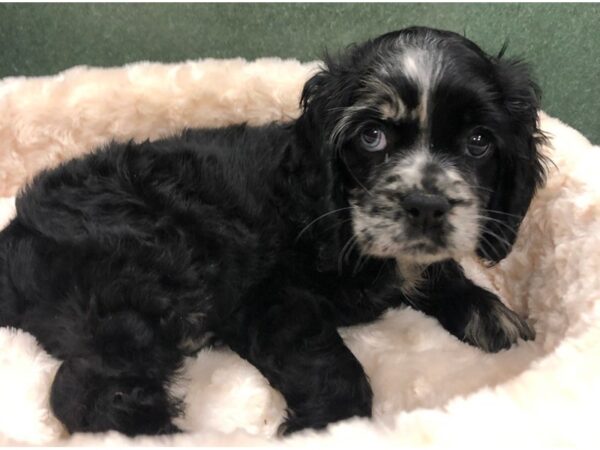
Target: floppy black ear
521	167
325	97
329	91
314	102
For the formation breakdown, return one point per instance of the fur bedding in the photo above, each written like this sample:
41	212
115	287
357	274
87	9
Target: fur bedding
430	389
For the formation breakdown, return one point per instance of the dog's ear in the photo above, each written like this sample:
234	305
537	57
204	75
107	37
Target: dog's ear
325	97
327	93
313	103
521	167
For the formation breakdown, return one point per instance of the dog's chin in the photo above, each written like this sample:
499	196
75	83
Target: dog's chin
423	255
416	252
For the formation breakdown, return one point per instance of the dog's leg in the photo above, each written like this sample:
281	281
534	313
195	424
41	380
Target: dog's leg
469	312
302	356
117	379
89	395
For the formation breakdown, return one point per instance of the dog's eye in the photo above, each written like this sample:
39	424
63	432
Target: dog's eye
479	144
373	139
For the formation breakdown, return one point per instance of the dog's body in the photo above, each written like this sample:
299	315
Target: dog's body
267	239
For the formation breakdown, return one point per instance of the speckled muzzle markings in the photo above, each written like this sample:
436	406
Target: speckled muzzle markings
385	225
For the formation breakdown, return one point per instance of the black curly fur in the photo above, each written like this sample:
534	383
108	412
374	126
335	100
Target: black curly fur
126	260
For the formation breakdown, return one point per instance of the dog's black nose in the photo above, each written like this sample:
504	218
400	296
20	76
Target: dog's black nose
425	210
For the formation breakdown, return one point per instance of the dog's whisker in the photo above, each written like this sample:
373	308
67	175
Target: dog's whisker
345	249
319	218
499	222
485	253
494	211
502	240
362	259
337	224
479	188
350	248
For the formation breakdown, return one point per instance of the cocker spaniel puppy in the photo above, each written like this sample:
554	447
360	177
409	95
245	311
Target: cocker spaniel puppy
412	150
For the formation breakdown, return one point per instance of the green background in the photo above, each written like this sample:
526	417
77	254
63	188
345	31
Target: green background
562	41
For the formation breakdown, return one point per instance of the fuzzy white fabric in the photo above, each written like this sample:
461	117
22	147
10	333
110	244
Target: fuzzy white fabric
430	389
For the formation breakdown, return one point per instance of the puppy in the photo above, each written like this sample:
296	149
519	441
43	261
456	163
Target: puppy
411	151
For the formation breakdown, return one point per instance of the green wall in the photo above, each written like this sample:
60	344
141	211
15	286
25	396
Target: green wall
562	41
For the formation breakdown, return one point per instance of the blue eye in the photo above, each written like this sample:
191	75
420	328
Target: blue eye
479	144
373	139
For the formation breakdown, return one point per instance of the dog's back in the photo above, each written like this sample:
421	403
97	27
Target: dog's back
120	262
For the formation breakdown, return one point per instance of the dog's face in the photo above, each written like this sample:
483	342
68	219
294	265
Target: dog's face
435	144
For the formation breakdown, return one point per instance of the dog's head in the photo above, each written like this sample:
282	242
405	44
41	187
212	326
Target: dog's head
435	144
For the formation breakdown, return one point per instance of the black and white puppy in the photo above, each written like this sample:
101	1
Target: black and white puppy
412	150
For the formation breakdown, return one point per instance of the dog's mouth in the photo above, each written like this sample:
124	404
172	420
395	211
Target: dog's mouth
428	248
390	234
422	233
416	208
421	249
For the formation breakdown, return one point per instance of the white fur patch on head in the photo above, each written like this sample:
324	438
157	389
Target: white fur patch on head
422	67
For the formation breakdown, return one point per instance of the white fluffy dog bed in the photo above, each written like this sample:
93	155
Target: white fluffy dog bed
429	387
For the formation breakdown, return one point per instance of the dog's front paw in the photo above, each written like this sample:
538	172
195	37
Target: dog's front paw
350	397
320	420
493	327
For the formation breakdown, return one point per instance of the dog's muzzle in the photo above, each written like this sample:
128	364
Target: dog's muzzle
418	208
